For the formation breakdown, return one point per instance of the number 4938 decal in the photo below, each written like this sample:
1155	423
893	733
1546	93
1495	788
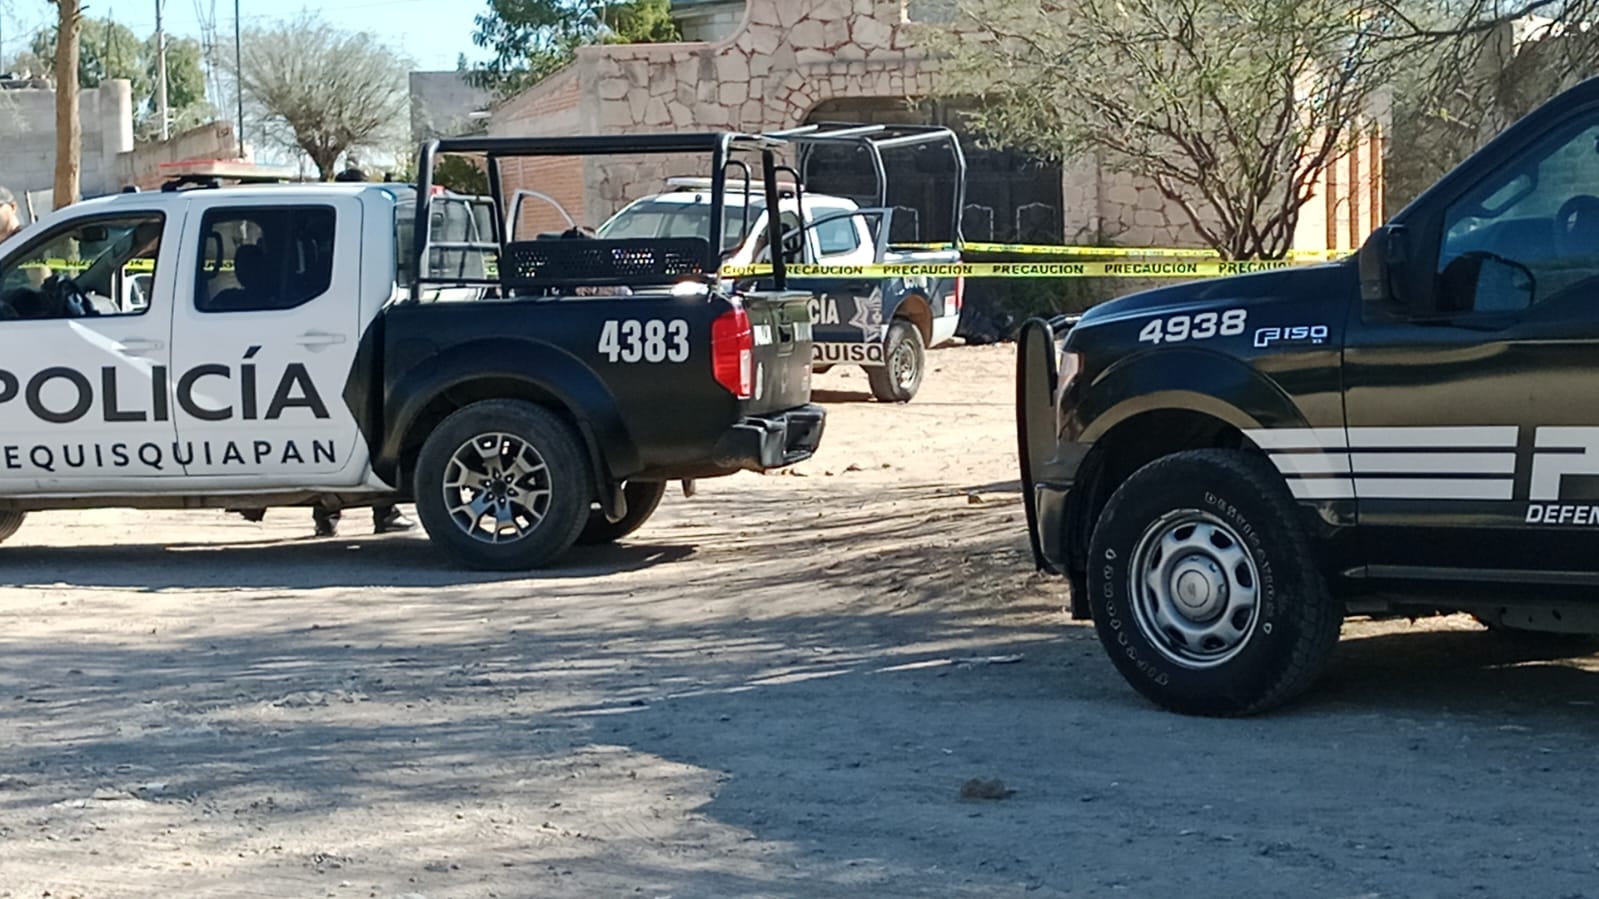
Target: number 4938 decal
633	341
1200	326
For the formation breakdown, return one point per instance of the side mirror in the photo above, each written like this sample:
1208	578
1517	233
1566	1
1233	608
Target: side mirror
1384	265
1488	283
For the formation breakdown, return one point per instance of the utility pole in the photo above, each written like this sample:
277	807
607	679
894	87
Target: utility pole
238	74
69	131
161	73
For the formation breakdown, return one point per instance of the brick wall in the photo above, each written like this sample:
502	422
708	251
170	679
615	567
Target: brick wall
551	108
561	178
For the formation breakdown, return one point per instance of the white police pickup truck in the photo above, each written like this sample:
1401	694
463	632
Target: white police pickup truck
334	345
884	324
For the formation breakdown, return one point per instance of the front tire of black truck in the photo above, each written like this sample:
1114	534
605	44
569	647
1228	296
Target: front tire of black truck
1203	587
502	485
904	363
10	523
643	497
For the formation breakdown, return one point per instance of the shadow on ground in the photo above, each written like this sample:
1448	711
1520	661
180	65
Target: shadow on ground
391	560
829	692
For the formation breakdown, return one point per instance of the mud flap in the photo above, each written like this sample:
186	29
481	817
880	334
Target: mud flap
1037	374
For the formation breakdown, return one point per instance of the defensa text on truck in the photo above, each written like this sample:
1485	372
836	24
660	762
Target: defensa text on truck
288	345
1226	468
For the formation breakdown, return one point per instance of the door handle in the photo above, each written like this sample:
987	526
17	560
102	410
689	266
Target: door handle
138	346
318	340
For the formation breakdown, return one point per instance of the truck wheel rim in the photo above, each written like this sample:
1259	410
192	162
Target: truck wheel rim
1195	589
903	364
497	488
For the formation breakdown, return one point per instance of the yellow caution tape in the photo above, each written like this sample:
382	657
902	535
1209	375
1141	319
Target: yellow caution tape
1031	249
78	265
1191	269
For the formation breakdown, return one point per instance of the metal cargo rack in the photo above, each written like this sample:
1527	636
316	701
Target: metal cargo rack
546	265
874	139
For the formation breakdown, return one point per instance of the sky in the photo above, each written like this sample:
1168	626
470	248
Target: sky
431	32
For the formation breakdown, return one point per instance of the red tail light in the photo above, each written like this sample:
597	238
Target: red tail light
958	296
733	352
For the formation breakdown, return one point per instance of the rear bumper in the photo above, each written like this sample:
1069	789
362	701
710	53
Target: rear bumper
764	442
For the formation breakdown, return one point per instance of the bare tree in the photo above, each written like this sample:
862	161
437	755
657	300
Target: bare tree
1477	81
323	91
69	133
1231	108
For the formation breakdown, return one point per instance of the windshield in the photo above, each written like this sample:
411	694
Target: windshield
657	218
107	260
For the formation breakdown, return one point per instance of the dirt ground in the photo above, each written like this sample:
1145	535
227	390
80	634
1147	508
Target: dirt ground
776	688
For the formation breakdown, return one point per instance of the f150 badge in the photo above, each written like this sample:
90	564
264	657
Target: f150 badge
1291	335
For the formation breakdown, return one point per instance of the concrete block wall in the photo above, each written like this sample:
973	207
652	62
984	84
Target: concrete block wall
142	167
28	137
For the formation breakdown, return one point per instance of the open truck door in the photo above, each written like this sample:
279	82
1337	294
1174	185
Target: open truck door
884	324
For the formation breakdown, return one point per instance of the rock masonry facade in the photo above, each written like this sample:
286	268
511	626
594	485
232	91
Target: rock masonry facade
787	58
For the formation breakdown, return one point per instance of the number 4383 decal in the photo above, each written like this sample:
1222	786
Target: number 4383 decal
633	341
1200	326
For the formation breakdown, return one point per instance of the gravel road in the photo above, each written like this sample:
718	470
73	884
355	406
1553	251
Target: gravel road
777	688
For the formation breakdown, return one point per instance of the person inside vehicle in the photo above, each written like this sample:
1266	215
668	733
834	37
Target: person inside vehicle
253	272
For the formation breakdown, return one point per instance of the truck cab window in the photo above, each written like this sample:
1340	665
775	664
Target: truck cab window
264	259
837	236
1529	235
96	268
794	243
676	216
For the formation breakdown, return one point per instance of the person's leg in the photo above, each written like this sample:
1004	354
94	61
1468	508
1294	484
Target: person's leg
327	520
387	517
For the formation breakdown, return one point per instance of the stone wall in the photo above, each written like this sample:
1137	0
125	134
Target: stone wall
790	56
1119	209
28	137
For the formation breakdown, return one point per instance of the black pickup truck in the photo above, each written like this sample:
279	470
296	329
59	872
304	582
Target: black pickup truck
347	344
1225	469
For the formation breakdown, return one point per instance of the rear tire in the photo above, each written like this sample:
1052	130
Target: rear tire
1204	589
10	523
904	362
642	499
502	485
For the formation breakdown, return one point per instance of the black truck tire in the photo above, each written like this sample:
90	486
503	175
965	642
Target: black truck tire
10	523
904	363
1203	587
643	497
516	461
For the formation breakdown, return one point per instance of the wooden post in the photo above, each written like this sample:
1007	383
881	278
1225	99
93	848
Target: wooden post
69	132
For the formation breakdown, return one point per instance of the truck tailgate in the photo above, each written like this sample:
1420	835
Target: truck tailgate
782	325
